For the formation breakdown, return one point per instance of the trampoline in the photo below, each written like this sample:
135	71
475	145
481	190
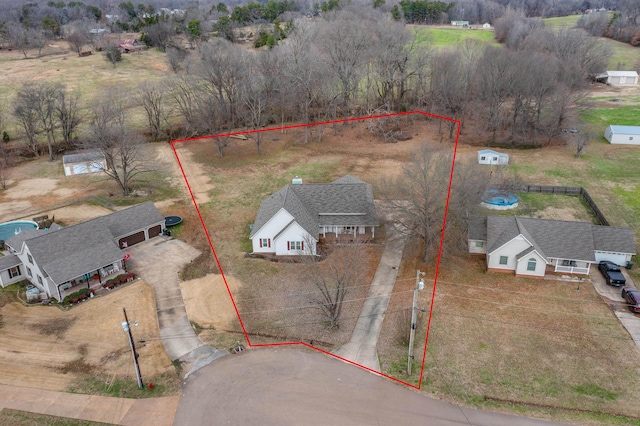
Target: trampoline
172	221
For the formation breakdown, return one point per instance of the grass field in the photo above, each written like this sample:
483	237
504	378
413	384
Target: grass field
443	37
23	418
624	56
602	117
561	21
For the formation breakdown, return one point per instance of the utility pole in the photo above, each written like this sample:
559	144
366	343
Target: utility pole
127	329
414	318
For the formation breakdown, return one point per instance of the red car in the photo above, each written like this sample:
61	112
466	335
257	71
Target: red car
632	297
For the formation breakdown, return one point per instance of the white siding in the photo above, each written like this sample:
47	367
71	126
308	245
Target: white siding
294	232
270	230
523	263
5	280
625	139
474	246
510	249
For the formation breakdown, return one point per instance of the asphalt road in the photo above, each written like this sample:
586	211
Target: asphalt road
291	386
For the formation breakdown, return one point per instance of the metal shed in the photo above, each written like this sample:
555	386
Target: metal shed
489	156
624	135
83	162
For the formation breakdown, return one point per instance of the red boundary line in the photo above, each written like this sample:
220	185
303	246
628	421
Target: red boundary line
298	126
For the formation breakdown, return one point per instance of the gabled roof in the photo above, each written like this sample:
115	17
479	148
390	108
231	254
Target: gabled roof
625	130
551	238
16	241
610	238
82	157
492	152
67	253
9	261
347	201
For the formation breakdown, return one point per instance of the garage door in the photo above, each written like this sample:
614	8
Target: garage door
155	231
618	259
79	169
136	238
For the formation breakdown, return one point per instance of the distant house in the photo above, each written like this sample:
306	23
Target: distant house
460	23
130	45
624	135
58	260
531	247
619	78
489	156
83	163
293	220
486	26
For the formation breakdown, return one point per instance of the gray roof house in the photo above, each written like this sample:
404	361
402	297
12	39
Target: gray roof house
300	214
529	246
57	259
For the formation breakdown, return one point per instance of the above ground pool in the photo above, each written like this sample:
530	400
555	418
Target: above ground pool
499	200
172	221
9	229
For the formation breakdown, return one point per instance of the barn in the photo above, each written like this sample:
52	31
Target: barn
624	135
489	156
83	163
621	78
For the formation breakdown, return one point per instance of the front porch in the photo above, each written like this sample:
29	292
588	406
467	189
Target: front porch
92	280
568	266
345	234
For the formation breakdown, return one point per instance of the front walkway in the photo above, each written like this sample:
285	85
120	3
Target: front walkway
122	411
361	349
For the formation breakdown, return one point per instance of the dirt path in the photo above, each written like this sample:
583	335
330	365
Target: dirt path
199	182
208	303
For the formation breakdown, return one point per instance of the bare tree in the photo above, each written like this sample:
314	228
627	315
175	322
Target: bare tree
183	93
151	97
334	277
68	115
254	99
77	40
580	139
111	136
25	109
175	58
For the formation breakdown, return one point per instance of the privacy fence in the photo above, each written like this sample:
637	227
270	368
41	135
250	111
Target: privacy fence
563	190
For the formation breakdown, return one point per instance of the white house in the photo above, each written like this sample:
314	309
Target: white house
626	135
528	246
621	78
293	220
486	26
460	23
488	156
83	162
58	259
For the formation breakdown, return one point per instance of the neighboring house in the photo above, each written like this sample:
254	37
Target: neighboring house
488	156
486	26
528	246
83	162
58	259
131	45
460	23
619	78
626	135
293	220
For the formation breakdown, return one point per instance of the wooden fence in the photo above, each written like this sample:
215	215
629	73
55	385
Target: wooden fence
563	190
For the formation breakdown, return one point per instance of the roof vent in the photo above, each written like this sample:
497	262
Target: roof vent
297	180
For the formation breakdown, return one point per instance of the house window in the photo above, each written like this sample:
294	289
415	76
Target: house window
29	272
569	263
295	245
630	138
14	272
479	243
39	280
503	260
495	158
483	158
531	264
265	242
30	258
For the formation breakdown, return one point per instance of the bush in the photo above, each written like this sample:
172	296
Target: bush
5	137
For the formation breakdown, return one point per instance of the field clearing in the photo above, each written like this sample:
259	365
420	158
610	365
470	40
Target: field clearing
443	37
47	348
561	21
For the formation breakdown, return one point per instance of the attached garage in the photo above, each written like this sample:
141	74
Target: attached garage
619	259
131	240
155	231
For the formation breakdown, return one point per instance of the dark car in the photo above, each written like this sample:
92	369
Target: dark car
632	297
612	273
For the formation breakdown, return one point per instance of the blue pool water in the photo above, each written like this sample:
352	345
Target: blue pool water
10	229
499	198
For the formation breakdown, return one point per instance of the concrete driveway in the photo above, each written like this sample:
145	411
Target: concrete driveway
158	262
630	321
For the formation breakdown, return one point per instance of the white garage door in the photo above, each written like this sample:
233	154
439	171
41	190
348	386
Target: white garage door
618	259
79	169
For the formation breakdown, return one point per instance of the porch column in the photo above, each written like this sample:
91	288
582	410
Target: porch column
373	232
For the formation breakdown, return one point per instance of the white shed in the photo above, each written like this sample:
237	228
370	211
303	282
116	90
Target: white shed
489	156
486	26
83	162
625	135
622	78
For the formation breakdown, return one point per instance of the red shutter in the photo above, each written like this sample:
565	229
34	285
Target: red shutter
269	242
288	245
260	242
302	246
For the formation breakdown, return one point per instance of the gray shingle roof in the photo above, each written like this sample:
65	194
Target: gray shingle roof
9	261
16	241
559	239
478	228
617	240
68	253
347	201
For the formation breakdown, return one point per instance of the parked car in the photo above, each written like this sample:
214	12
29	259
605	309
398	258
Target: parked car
612	273
632	297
